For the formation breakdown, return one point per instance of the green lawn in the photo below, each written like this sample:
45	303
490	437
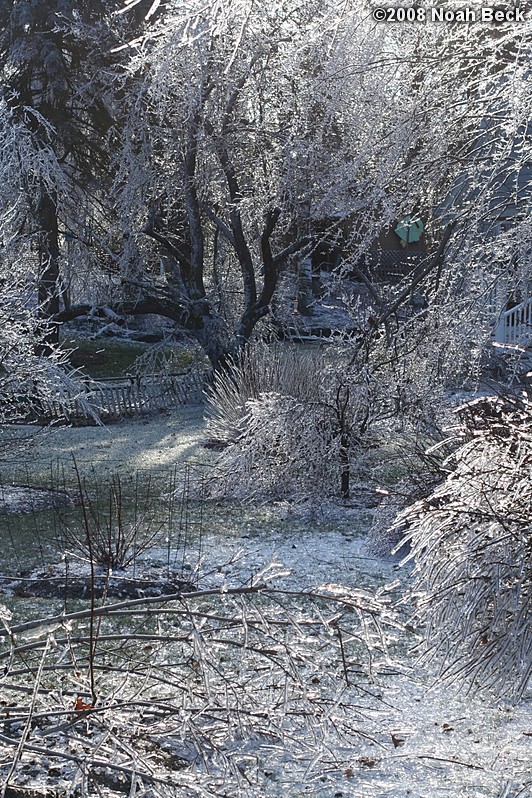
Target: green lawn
116	358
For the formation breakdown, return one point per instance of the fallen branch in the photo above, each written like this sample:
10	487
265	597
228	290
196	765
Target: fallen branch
452	761
99	763
114	609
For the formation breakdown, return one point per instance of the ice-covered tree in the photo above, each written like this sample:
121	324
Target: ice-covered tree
56	67
28	378
214	178
247	128
472	547
249	131
442	133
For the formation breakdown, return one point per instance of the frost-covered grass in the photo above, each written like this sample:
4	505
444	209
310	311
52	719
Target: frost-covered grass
392	733
132	445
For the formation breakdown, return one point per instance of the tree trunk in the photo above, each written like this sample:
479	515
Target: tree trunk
48	281
304	287
342	409
208	337
345	474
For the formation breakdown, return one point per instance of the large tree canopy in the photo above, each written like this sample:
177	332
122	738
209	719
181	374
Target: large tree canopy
197	151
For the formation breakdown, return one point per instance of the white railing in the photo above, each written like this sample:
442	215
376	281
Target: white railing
515	325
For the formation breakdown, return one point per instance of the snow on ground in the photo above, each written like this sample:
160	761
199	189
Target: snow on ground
425	740
448	743
132	444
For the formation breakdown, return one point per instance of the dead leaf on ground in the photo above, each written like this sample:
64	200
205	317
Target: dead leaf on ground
367	761
397	741
81	706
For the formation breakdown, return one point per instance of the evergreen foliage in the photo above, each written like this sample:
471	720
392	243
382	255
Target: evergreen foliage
472	547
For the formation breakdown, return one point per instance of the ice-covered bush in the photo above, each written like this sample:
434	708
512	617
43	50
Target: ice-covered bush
29	380
422	468
268	412
283	450
260	369
472	545
295	423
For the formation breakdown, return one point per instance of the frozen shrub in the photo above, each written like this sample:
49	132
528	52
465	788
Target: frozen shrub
259	370
423	467
295	423
111	533
384	534
268	411
298	423
32	383
282	450
472	545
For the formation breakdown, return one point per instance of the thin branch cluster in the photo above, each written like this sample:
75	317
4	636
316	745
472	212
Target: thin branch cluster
193	694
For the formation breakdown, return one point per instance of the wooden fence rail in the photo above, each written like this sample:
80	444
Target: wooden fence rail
123	397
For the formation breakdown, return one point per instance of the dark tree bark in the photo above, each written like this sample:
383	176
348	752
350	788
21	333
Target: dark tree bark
50	54
48	279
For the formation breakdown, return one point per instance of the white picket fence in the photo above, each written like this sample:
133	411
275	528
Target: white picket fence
118	398
515	325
